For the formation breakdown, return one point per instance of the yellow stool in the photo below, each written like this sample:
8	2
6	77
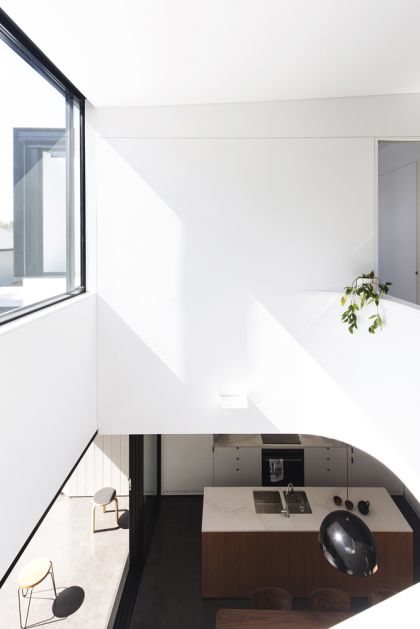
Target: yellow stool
31	575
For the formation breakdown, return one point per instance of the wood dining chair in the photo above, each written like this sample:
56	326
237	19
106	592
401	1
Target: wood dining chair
271	598
329	600
379	596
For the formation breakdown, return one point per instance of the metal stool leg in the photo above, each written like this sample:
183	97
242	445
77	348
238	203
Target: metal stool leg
53	578
29	605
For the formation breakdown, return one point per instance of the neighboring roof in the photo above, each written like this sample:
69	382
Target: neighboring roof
6	238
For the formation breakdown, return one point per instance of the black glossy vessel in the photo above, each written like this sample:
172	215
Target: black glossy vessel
348	544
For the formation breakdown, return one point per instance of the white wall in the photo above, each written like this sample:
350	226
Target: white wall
48	410
197	230
105	464
210	222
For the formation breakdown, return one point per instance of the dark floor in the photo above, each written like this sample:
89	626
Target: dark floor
414	522
169	594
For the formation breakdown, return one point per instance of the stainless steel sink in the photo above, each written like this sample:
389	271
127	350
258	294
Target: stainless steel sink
297	502
267	502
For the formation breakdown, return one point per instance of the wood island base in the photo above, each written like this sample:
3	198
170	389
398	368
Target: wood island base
234	564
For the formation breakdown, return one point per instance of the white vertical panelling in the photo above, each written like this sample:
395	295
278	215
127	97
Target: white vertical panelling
70	488
115	460
107	452
105	464
125	469
98	470
90	465
81	477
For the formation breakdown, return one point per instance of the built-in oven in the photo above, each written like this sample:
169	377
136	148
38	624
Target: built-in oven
281	466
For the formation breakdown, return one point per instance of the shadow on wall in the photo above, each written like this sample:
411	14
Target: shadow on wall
148	395
200	268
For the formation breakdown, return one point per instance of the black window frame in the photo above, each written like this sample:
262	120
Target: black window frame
15	38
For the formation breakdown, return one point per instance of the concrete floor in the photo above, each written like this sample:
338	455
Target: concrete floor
92	562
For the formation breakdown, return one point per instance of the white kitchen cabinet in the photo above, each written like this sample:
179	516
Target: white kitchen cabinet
237	466
366	471
187	464
325	467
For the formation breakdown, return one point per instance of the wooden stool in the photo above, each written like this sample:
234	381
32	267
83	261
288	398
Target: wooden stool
329	600
32	574
271	598
380	595
102	498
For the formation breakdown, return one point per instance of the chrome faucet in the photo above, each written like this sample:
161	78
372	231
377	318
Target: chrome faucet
290	489
286	511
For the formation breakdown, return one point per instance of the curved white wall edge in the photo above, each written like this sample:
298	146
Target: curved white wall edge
398	611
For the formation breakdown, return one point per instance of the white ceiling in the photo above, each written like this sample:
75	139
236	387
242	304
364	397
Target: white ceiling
165	52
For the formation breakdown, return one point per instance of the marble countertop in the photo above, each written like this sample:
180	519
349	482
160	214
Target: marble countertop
255	441
232	509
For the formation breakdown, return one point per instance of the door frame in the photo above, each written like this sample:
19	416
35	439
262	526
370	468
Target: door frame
122	617
376	140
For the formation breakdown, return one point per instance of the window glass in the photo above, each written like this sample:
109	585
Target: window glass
40	201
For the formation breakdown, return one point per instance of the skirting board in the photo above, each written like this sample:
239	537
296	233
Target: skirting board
182	492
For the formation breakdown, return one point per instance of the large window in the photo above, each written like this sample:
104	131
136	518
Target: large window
41	179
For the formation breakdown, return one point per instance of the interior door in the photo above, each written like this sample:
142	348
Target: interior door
397	217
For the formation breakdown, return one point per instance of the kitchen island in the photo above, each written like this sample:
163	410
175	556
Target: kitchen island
243	550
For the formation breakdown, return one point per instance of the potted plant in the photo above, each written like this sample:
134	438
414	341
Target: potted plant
364	290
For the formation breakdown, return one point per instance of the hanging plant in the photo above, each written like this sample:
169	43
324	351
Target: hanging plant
364	290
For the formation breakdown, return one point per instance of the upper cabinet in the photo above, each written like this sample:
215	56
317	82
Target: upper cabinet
327	467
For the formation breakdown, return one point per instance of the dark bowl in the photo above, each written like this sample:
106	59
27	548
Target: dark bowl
363	506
